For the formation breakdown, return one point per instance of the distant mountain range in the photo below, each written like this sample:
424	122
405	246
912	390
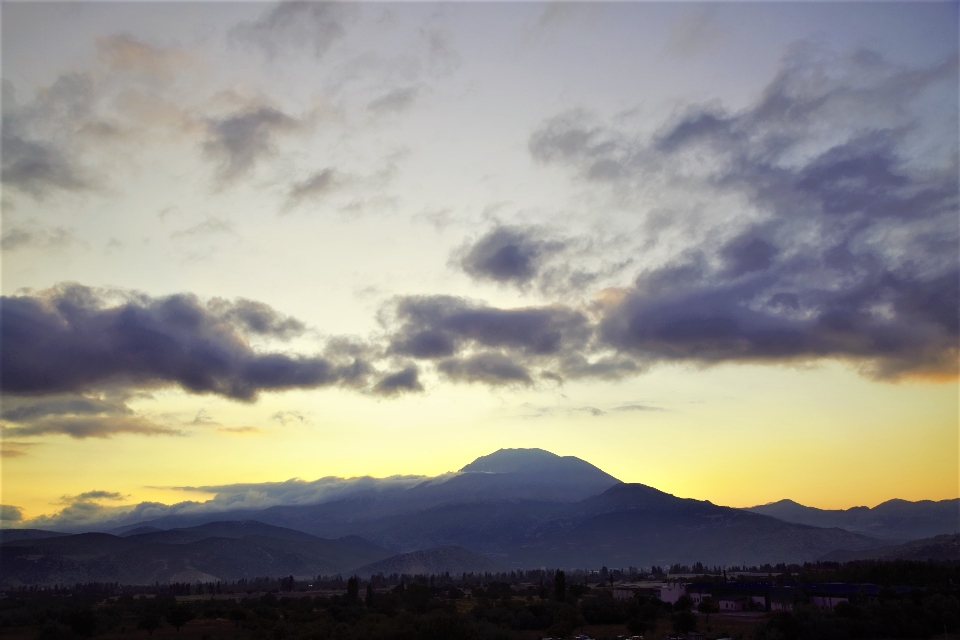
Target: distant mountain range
945	547
214	551
894	520
513	508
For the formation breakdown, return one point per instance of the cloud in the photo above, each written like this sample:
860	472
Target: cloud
317	186
489	368
10	513
394	101
86	514
76	416
438	326
843	244
52	238
257	318
94	495
508	254
12	449
237	142
74	338
80	427
289	27
239	430
404	380
63	406
284	417
38	167
636	407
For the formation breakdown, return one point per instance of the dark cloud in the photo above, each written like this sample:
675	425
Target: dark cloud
37	167
848	246
81	427
394	101
746	254
237	142
438	326
257	318
508	254
404	380
10	513
73	338
293	26
489	368
63	406
76	416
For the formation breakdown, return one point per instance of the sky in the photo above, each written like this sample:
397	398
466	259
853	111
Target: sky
708	247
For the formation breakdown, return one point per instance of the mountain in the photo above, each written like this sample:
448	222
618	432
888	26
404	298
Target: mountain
638	525
221	529
126	531
452	559
9	535
503	476
945	547
217	551
895	520
514	507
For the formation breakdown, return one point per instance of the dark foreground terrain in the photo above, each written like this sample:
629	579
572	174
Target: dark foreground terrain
914	600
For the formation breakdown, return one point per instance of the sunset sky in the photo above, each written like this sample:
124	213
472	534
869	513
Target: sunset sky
711	248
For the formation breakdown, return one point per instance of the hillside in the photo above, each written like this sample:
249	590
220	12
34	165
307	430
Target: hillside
895	520
940	548
448	559
219	552
10	535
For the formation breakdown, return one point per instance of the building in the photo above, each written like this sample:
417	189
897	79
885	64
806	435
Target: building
732	603
670	592
827	603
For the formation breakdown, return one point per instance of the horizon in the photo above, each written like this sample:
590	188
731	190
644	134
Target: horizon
108	518
709	248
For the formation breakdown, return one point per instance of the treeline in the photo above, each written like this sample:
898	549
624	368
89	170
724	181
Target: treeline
553	606
404	612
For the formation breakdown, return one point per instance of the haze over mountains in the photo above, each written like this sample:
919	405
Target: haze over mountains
510	509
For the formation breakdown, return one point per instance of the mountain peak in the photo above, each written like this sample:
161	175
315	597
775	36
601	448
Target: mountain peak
531	461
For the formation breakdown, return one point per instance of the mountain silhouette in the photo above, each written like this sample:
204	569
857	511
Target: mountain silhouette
894	520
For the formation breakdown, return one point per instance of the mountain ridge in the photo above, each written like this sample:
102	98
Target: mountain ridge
893	520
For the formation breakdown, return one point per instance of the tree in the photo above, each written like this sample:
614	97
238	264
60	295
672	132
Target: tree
368	599
238	615
683	603
179	616
684	622
353	589
706	607
83	622
559	586
149	622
